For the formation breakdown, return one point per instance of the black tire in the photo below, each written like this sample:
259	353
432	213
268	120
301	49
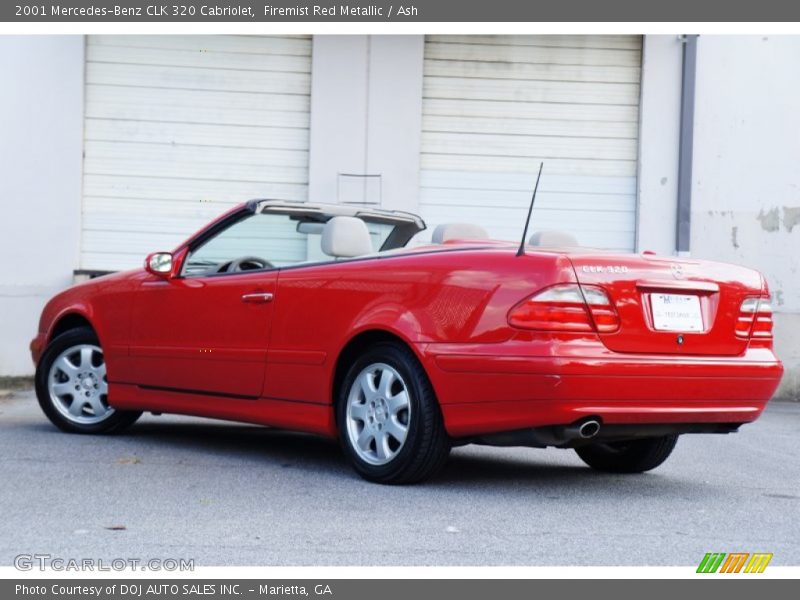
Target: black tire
116	421
634	456
426	446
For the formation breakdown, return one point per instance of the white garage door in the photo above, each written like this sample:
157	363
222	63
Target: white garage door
494	106
178	128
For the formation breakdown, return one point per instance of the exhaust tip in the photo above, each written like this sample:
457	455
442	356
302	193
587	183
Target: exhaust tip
589	429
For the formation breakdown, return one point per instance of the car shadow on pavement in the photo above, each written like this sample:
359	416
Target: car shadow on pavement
529	474
320	455
247	442
194	443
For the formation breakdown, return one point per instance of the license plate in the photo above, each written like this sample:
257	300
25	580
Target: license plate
676	312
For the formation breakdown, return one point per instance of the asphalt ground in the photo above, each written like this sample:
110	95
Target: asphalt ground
230	494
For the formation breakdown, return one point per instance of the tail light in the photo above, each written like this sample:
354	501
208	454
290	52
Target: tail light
566	307
755	318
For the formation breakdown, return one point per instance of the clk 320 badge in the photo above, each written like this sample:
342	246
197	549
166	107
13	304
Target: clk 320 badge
605	269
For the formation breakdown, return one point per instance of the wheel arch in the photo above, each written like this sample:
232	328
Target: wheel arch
356	345
68	321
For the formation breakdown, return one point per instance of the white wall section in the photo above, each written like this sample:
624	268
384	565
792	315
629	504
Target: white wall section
746	188
659	133
366	111
395	117
41	120
339	98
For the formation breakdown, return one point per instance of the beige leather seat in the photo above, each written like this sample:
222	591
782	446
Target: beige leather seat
553	239
458	231
346	237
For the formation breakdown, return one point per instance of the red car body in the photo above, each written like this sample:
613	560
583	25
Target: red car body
192	346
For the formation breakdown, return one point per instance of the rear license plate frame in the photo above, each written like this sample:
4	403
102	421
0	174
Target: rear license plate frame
676	313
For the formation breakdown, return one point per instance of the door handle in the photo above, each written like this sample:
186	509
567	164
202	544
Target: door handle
257	297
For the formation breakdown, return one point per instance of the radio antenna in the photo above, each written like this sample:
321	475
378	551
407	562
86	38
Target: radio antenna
521	250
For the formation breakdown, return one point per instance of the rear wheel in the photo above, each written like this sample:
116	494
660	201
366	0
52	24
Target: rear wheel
72	386
634	456
390	424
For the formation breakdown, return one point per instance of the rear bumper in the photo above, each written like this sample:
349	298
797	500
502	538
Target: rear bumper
484	392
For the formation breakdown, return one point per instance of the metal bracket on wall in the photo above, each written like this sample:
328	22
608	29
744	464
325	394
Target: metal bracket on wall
359	188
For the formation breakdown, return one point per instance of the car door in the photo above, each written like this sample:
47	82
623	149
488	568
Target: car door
205	335
206	330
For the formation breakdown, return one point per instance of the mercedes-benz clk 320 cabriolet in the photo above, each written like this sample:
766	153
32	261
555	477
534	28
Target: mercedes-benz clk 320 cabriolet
318	318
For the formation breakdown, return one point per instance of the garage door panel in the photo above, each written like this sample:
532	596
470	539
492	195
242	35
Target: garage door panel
240	44
131	222
153	100
507	52
619	42
132	214
463	107
196	134
514	217
107	250
130	111
222	193
538	91
177	157
190	169
527	145
179	128
528	166
459	182
553	127
197	79
494	107
520	199
509	70
195	59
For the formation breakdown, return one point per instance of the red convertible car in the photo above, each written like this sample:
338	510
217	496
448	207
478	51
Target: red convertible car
318	318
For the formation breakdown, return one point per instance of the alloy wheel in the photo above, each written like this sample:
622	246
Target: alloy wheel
378	414
78	386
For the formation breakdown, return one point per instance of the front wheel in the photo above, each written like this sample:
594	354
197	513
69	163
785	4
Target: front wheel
72	387
390	424
634	456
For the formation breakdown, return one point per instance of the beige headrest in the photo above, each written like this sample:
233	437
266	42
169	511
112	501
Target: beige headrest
346	237
458	231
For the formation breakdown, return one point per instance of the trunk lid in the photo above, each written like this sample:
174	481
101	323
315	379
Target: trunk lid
668	305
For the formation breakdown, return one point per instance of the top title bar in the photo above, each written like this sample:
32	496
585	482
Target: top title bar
395	11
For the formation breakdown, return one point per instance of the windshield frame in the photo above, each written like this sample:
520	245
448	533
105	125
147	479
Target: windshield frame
405	226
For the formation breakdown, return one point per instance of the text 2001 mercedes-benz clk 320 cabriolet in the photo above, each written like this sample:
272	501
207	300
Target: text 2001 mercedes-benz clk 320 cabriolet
318	318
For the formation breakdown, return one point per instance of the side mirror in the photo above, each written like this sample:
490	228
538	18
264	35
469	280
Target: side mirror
159	263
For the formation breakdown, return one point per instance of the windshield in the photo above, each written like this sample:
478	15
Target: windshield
271	239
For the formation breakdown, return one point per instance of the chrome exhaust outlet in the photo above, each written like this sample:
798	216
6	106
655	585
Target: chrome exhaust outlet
589	429
560	436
